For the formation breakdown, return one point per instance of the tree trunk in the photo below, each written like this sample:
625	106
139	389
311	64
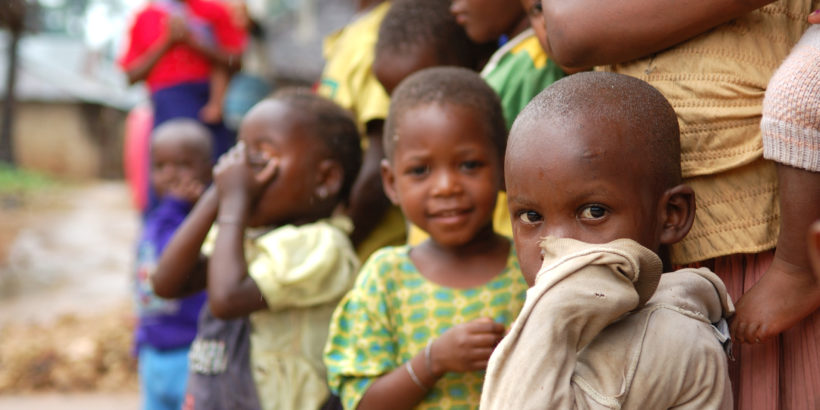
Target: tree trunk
15	28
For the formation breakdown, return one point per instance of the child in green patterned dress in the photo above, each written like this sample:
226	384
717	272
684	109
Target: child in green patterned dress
421	322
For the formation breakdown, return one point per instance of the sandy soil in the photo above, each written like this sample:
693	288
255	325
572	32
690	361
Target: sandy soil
65	322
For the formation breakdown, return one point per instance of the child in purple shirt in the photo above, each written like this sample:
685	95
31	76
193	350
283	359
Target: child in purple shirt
180	171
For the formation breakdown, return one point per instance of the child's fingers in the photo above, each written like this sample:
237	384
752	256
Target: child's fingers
481	353
486	325
479	365
267	173
484	340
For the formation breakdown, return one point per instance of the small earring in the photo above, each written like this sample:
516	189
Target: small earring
322	193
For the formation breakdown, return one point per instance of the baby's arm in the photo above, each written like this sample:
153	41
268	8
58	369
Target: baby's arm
463	348
231	292
141	68
789	290
181	269
211	113
584	33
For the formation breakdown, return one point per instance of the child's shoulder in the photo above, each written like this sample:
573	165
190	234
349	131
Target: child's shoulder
698	293
386	263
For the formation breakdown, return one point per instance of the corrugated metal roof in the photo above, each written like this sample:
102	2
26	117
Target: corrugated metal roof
58	68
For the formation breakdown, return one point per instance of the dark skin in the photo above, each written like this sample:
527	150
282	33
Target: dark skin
276	158
624	31
488	20
368	203
598	191
462	252
178	34
790	290
814	246
588	32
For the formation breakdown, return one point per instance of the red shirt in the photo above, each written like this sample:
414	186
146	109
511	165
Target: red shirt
180	63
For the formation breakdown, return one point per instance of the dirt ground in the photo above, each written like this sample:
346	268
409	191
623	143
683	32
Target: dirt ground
66	253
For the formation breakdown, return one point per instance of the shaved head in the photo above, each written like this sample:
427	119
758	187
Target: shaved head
187	132
635	119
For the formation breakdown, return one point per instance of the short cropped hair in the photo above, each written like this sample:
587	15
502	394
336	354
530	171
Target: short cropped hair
187	131
639	107
410	24
332	125
447	86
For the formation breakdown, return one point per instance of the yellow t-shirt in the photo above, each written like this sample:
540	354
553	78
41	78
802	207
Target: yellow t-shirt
302	272
716	82
348	80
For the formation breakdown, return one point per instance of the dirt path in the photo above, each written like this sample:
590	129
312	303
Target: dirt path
65	266
71	252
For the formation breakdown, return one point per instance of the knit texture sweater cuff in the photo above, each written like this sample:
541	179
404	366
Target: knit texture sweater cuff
791	108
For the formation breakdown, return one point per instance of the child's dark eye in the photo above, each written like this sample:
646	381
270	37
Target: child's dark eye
529	217
470	165
593	212
536	9
417	170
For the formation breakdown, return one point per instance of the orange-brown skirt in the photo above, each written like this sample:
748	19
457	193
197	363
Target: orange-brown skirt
783	373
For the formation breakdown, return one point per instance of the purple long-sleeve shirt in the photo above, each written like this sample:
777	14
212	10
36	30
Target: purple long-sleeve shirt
163	323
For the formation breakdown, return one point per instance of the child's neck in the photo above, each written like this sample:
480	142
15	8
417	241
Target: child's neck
464	266
518	28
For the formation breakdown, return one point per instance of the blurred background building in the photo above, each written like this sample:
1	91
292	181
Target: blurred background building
70	98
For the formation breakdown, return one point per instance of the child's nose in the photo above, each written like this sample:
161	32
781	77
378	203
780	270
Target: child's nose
446	183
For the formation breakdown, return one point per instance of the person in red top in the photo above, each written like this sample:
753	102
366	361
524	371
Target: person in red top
175	46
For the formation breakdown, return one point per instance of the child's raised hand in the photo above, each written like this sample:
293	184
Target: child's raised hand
177	29
187	190
235	173
466	347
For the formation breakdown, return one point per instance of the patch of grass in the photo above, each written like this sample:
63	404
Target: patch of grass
17	180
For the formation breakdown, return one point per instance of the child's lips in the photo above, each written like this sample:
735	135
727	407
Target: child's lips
450	216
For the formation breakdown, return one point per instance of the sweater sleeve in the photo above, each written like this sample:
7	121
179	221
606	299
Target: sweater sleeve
791	107
575	296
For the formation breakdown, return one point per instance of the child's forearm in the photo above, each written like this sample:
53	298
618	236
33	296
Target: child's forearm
368	202
231	292
181	269
220	79
142	67
621	31
397	389
231	61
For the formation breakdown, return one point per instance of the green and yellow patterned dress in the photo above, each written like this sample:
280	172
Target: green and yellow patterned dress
391	314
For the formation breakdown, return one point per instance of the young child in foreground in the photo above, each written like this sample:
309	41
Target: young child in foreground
595	194
419	326
180	171
276	252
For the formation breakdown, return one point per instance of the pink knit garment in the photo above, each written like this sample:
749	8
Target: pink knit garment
791	107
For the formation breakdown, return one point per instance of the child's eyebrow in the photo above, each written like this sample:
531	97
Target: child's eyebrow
521	201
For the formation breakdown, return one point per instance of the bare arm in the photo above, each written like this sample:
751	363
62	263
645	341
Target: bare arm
368	202
142	67
584	33
181	269
229	60
231	291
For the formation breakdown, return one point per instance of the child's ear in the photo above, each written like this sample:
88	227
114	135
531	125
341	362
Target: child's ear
677	213
389	182
331	177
